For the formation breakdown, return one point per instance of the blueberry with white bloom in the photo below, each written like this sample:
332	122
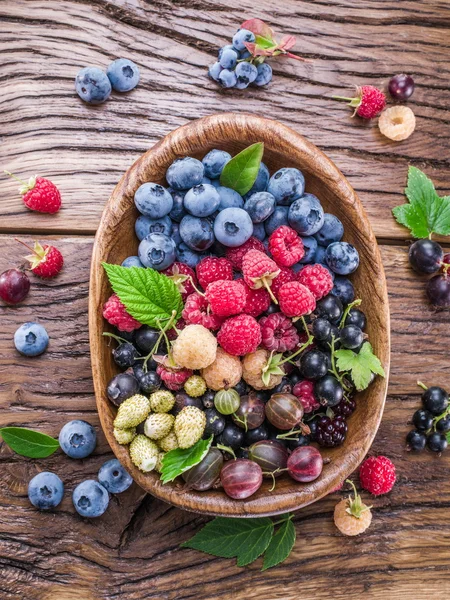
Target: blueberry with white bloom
214	162
123	75
31	339
153	200
233	227
343	289
132	261
215	70
246	72
157	251
202	200
178	211
331	231
259	231
188	256
260	206
144	226
45	490
320	255
215	183
342	258
229	198
90	498
228	58
197	233
306	215
264	75
277	218
244	54
184	173
226	47
261	181
287	185
92	85
310	246
113	477
241	36
77	439
175	235
227	78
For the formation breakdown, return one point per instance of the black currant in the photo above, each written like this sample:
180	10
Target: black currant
356	317
241	387
321	329
231	436
425	256
416	440
215	422
301	440
435	399
328	391
330	307
438	290
256	435
352	337
121	387
437	442
422	419
401	87
314	364
125	355
208	399
443	425
146	338
149	382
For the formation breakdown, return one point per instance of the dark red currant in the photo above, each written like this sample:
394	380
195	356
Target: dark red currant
401	87
14	286
438	290
425	256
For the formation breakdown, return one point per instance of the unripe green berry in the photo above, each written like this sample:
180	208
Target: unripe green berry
227	401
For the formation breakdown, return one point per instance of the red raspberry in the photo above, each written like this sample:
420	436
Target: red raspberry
240	335
183	277
46	261
115	313
174	379
368	103
278	333
257	302
285	276
213	269
304	390
286	246
259	270
377	475
226	298
197	312
296	300
236	255
39	194
317	279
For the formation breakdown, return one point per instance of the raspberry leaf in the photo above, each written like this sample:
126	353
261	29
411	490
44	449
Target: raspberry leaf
427	212
180	460
28	442
280	545
149	296
241	171
361	366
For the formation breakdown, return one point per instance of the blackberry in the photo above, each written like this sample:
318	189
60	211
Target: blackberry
125	355
345	408
331	432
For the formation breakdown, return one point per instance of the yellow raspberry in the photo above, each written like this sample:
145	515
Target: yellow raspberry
397	123
189	426
195	348
252	366
169	442
351	515
132	412
144	453
162	401
124	436
224	372
158	425
195	386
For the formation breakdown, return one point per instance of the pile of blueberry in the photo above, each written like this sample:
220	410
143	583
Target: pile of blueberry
426	256
432	422
233	68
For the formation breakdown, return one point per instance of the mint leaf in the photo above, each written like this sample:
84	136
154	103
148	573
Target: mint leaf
361	366
245	539
426	212
241	171
148	296
28	442
180	460
280	545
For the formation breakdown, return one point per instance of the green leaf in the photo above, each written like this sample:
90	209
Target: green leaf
28	442
241	171
148	296
245	539
180	460
280	546
426	212
361	366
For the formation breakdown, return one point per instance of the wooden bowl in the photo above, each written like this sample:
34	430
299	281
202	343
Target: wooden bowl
115	240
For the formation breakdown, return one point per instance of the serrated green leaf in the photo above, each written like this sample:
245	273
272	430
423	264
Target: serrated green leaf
372	361
361	366
448	436
241	171
245	539
407	216
28	442
180	460
148	296
280	545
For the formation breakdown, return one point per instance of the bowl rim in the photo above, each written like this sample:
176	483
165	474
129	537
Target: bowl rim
172	144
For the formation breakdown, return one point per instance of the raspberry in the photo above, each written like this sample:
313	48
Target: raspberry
304	390
257	301
226	298
195	347
196	312
377	475
252	369
397	123
296	300
115	313
240	335
183	277
331	432
351	515
345	408
286	246
225	372
278	333
236	255
46	261
317	279
285	276
259	270
173	378
39	194
189	426
213	269
368	103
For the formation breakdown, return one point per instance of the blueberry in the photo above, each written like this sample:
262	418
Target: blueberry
202	200
331	231
121	387
178	211
132	261
226	47
176	234
241	84
228	58
31	339
342	258
287	185
77	439
90	498
261	181
241	36
306	215
149	382
144	226
277	218
246	72
215	183
184	173
343	289
215	70
92	85
153	200
113	477
319	258
157	251
264	74
259	232
214	162
45	490
310	246
233	227
188	256
260	206
229	198
123	75
227	78
197	233
244	54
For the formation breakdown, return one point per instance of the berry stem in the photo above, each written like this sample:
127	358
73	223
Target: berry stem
333	370
288	434
26	246
15	177
226	449
422	385
342	98
356	302
355	505
115	337
170	322
195	287
302	347
267	286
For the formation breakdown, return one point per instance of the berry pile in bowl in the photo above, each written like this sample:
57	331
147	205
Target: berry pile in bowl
238	320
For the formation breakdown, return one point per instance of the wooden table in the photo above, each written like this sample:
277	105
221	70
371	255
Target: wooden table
132	552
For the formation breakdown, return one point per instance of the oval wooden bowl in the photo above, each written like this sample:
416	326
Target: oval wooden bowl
115	240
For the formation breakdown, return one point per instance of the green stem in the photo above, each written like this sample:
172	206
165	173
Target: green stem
422	385
333	370
303	347
288	434
342	98
195	287
226	449
268	288
115	337
356	302
15	177
158	341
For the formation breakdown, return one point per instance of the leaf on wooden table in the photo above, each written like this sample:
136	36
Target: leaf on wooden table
28	442
280	545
